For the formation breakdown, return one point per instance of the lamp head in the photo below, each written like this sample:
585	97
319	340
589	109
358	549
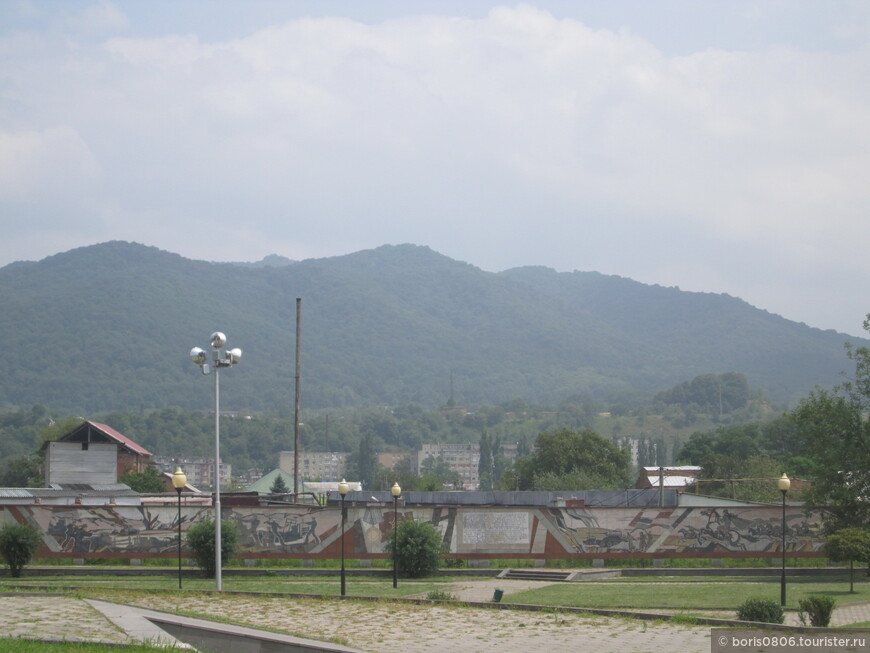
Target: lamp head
179	479
396	491
197	355
784	483
217	340
234	355
343	487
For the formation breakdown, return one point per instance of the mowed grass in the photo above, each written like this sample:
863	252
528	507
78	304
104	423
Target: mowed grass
318	586
36	646
683	594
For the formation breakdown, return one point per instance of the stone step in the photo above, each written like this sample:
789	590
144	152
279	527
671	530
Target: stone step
535	574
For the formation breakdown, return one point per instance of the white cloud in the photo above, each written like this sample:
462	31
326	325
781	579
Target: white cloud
515	138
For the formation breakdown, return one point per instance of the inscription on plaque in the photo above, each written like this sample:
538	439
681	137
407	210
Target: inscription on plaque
495	528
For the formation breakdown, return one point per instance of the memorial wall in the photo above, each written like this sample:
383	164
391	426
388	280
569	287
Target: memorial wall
468	531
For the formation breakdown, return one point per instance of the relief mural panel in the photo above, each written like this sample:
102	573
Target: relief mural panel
274	531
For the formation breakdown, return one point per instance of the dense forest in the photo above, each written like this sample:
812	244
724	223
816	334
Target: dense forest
107	328
653	434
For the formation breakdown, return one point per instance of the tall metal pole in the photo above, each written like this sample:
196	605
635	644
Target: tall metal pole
298	397
217	477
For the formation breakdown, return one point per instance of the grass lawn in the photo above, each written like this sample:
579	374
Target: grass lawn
683	594
320	586
34	646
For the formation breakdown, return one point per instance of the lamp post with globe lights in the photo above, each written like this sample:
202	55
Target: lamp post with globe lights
220	359
179	481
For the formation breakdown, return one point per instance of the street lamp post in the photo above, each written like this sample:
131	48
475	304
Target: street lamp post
396	491
179	481
219	359
783	484
342	490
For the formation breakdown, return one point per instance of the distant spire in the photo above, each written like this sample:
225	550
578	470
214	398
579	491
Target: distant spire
451	401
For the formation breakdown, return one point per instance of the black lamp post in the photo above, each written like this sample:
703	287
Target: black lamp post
396	491
179	481
783	484
342	490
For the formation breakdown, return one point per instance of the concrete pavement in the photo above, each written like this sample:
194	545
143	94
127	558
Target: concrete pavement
368	625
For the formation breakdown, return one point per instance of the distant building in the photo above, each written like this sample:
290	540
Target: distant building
315	465
673	478
460	458
199	470
92	453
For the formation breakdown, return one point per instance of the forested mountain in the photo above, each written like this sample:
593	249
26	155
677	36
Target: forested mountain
109	327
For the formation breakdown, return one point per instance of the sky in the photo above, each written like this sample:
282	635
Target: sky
716	146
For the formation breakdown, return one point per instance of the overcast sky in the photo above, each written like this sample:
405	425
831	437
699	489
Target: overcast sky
715	146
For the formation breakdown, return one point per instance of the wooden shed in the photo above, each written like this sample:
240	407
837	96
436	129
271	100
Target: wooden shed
92	453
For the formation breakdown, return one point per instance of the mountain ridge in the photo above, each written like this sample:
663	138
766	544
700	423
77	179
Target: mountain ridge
384	326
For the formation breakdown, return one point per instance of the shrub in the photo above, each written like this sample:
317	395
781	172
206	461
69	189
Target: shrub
440	595
416	548
200	539
763	610
18	543
818	608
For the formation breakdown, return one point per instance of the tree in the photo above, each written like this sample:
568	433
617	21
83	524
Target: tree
21	472
147	481
416	548
576	461
18	544
279	486
486	463
363	463
833	431
849	544
200	538
439	470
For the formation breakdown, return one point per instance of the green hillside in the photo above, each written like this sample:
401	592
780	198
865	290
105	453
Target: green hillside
108	327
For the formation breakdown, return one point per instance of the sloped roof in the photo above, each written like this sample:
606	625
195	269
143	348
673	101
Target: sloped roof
87	428
264	484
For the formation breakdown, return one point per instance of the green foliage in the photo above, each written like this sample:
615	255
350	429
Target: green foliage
436	472
279	486
710	393
440	595
817	609
148	481
362	465
23	471
760	610
849	545
568	460
416	548
833	431
18	544
391	325
201	540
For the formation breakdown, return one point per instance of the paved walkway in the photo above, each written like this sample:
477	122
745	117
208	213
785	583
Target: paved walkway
369	626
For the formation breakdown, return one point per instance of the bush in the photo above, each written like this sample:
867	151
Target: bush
440	595
818	608
200	539
416	548
18	544
762	610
